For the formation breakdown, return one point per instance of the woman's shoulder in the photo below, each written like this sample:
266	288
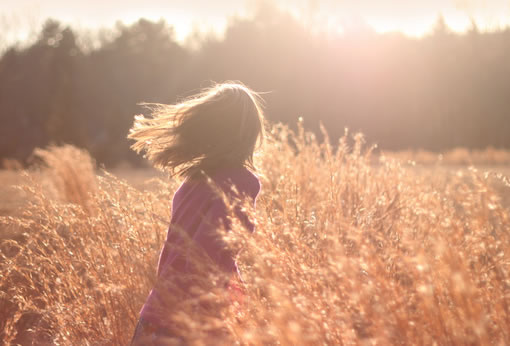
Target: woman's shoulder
244	180
226	180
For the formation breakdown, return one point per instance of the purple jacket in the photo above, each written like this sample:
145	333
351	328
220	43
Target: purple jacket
198	210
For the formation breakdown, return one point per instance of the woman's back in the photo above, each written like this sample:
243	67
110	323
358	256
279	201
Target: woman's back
198	212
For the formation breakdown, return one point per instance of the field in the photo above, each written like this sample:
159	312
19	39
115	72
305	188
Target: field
350	248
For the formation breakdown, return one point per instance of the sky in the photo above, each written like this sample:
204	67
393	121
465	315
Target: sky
22	19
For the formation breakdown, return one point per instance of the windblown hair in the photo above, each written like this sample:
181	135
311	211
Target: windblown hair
219	126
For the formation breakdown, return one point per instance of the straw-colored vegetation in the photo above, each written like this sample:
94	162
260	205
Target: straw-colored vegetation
458	156
345	252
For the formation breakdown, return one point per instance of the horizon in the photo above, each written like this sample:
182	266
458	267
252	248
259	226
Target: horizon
187	18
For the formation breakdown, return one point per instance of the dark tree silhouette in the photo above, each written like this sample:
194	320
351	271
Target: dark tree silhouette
438	92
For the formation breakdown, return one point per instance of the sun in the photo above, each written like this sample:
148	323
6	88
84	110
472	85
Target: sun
415	27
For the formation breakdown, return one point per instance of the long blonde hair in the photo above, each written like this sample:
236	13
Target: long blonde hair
221	125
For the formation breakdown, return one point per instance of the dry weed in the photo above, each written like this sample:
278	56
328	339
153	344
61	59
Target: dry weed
345	252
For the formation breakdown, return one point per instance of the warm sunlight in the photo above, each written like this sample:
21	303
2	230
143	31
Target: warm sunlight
417	27
21	19
254	172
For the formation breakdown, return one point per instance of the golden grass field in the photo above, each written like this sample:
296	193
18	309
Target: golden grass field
349	249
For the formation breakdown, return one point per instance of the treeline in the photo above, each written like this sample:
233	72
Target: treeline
441	91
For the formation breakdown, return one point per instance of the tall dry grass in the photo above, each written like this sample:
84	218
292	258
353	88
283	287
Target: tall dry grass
457	156
345	252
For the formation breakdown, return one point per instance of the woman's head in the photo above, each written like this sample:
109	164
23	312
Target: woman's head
219	126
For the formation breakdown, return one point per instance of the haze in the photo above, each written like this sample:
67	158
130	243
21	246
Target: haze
21	19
